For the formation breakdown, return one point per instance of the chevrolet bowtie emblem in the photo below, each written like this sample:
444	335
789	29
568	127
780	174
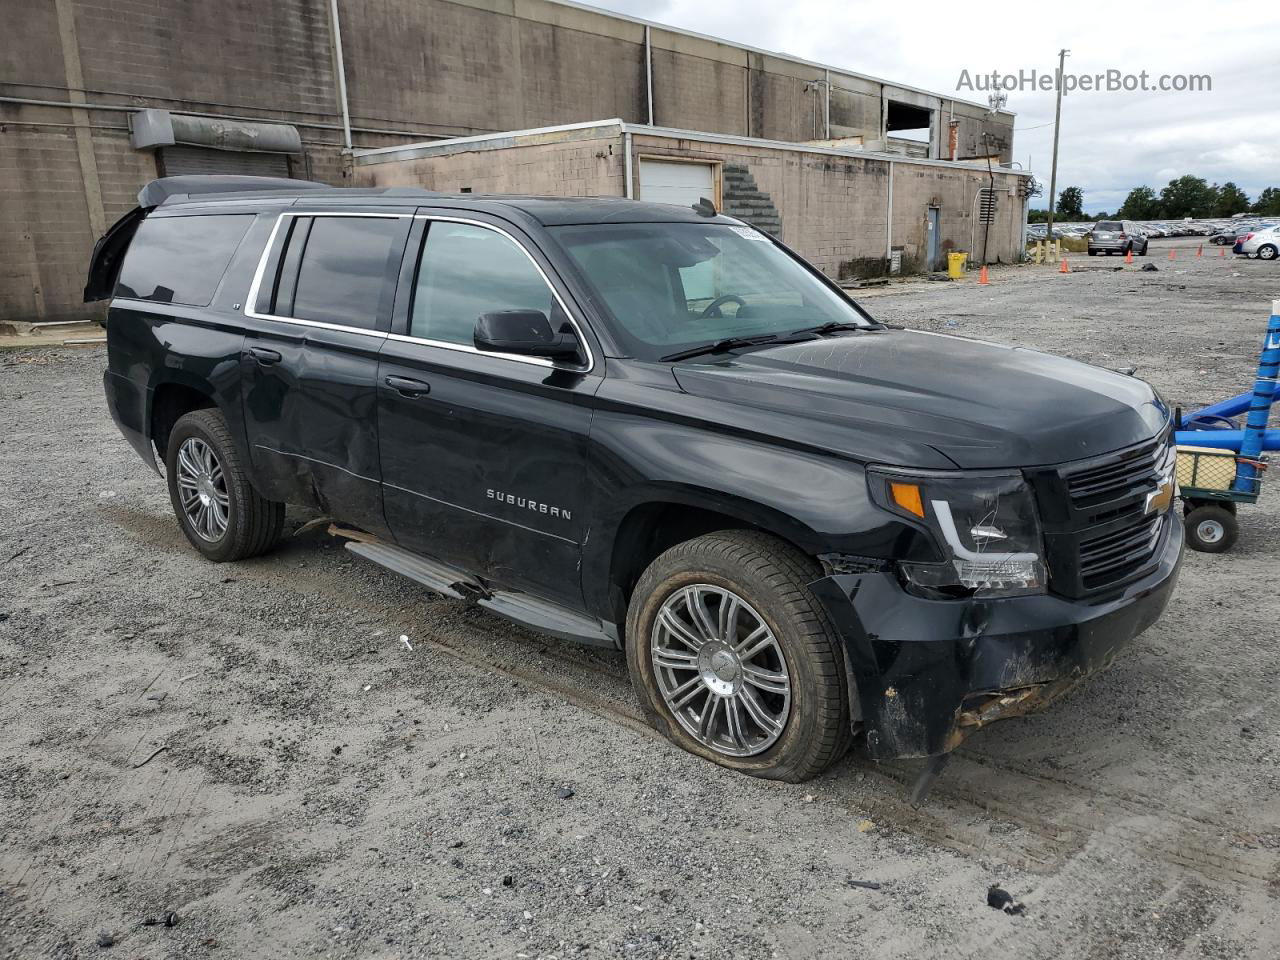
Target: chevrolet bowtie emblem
1161	498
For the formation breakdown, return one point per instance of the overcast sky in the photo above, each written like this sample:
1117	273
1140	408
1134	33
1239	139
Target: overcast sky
1111	142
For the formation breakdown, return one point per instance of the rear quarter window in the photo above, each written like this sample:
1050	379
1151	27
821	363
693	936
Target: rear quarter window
180	259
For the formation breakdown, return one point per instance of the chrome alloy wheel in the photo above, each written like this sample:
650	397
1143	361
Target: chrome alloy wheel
720	670
202	489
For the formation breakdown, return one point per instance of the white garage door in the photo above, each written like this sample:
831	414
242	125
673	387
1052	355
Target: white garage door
683	184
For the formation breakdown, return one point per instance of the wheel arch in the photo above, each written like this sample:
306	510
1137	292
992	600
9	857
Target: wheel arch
650	526
172	399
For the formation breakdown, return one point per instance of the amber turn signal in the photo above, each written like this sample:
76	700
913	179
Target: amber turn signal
907	496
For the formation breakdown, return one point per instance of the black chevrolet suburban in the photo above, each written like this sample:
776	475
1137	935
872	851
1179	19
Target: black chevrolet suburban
652	428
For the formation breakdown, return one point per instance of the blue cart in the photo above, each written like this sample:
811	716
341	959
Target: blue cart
1220	464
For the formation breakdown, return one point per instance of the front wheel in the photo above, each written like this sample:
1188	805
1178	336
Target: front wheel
1211	529
220	512
735	660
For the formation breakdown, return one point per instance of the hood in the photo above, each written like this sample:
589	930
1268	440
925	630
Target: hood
981	405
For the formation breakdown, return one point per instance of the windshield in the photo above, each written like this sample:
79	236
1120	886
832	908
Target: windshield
672	286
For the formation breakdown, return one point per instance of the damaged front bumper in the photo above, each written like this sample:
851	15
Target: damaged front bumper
929	672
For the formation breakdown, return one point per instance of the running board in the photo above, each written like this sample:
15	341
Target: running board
528	611
547	617
429	573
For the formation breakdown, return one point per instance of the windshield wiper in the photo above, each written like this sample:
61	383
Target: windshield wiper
719	346
833	326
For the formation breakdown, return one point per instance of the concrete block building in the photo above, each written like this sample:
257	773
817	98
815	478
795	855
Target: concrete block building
99	96
852	213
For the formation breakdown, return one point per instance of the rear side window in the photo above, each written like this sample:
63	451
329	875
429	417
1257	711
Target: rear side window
467	271
338	270
180	259
346	268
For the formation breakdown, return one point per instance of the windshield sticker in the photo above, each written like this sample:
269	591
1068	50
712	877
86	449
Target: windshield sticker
750	234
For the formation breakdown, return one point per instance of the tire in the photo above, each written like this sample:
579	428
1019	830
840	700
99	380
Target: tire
1267	251
1144	248
768	578
1211	529
1093	253
205	469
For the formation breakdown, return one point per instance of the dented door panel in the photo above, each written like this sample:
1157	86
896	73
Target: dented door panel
311	418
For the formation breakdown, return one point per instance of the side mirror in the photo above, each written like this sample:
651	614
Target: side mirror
524	332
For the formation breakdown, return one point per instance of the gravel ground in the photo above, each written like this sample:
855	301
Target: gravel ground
254	748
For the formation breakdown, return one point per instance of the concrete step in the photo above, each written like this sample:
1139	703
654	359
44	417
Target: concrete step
752	214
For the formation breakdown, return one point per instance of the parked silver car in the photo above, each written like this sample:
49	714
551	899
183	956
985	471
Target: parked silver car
1117	236
1263	244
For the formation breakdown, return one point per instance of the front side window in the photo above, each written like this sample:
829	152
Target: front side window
467	271
675	285
180	259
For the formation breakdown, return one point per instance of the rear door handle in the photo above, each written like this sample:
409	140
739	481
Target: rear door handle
408	387
264	356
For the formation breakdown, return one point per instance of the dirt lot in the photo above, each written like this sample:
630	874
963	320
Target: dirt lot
254	748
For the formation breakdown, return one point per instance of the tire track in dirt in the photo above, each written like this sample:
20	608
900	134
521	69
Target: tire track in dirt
975	787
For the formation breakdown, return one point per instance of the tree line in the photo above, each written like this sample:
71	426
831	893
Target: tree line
1187	196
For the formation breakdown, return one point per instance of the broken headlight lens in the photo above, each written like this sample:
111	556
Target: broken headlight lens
986	527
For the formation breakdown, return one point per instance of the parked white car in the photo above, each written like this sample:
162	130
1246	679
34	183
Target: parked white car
1263	244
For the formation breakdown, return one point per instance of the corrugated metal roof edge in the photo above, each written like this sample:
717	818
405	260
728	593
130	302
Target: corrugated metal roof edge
593	129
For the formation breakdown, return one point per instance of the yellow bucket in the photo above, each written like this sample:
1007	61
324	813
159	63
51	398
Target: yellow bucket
956	265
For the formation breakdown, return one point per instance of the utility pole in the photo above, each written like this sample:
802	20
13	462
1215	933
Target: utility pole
1053	170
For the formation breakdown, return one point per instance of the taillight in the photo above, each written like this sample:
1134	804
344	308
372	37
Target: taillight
1122	236
1247	236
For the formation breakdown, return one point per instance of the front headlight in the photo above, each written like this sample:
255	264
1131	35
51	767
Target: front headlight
986	527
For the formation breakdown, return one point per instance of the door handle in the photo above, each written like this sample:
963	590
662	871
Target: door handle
264	356
408	387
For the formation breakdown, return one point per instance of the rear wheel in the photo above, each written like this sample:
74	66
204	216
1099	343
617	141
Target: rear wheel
1211	529
735	660
1093	253
1267	251
216	506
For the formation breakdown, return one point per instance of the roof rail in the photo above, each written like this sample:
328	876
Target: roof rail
158	191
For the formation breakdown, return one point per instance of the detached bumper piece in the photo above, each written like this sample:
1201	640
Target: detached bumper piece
930	672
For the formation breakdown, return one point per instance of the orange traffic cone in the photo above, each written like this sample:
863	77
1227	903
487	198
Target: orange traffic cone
1222	251
982	276
1064	268
1200	250
1128	256
1173	254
